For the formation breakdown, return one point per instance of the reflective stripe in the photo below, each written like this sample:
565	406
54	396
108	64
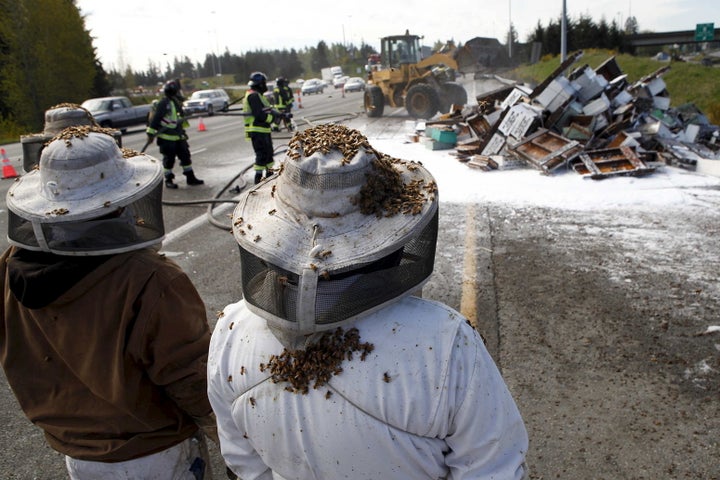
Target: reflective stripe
170	123
250	119
279	98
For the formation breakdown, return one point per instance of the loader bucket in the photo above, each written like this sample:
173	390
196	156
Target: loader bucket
467	61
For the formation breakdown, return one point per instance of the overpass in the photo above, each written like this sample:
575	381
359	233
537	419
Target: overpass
667	38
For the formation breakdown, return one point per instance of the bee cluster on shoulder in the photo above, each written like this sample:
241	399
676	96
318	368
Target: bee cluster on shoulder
317	363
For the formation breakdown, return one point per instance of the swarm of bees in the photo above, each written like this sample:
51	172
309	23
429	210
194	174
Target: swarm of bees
324	138
385	193
129	152
72	106
59	211
82	131
316	364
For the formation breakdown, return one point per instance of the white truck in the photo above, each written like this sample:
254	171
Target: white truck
329	74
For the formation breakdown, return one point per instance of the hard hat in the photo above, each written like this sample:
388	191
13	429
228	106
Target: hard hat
258	81
88	197
171	88
280	81
340	231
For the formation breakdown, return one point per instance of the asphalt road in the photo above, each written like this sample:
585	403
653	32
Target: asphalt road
594	317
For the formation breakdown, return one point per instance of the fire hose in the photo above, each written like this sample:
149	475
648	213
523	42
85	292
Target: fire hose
242	184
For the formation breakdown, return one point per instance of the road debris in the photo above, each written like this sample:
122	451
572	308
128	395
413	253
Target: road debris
591	121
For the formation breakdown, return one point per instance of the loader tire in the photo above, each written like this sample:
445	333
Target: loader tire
374	101
421	101
452	94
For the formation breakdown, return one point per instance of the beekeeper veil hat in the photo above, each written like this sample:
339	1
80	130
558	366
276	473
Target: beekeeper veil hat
339	232
88	197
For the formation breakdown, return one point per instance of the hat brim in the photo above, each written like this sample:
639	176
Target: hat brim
25	200
275	232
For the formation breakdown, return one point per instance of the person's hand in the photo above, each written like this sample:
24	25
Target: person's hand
151	137
288	115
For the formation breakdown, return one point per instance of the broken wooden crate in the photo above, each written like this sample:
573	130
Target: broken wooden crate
546	150
598	164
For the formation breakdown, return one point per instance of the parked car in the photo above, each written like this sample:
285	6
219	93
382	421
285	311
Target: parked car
355	84
314	85
339	81
207	101
117	112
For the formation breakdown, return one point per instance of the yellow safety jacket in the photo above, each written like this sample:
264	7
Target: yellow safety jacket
172	125
260	124
283	97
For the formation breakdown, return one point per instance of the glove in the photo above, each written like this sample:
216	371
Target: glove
151	137
288	115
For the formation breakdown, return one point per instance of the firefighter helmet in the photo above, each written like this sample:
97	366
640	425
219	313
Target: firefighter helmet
258	81
171	88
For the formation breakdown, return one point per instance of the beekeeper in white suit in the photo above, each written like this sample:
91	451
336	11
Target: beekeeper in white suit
328	368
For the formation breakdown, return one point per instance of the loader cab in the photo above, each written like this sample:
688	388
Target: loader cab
400	50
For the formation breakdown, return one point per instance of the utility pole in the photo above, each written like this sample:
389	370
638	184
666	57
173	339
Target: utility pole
563	32
510	29
216	54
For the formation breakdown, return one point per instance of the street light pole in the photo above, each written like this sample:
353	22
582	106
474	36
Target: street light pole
217	48
213	58
563	32
216	53
510	29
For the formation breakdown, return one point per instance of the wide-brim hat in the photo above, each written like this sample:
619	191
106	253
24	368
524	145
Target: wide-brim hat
336	204
83	174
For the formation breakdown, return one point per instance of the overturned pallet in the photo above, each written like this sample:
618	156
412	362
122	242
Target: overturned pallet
546	150
482	162
599	164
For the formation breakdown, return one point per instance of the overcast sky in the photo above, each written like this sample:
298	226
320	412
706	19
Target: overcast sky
135	32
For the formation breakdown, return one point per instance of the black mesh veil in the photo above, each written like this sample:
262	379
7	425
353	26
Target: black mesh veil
340	295
124	228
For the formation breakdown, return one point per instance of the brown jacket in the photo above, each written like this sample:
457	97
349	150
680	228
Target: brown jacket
114	367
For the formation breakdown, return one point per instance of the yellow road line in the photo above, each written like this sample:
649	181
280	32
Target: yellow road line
468	298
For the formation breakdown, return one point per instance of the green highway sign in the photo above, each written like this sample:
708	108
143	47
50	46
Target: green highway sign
704	32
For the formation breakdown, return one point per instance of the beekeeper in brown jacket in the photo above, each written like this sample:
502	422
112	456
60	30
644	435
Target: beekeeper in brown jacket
103	340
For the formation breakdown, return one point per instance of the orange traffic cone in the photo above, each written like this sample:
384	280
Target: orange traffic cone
299	94
201	126
8	169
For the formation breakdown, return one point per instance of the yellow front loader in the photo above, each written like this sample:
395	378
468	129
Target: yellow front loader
424	86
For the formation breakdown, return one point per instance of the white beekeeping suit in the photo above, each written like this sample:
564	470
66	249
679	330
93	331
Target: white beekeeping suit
328	368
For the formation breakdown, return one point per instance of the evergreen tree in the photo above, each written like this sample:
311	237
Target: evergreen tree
319	57
48	59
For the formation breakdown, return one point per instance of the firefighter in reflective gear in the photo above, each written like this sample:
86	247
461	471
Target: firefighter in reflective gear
168	126
284	99
258	124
